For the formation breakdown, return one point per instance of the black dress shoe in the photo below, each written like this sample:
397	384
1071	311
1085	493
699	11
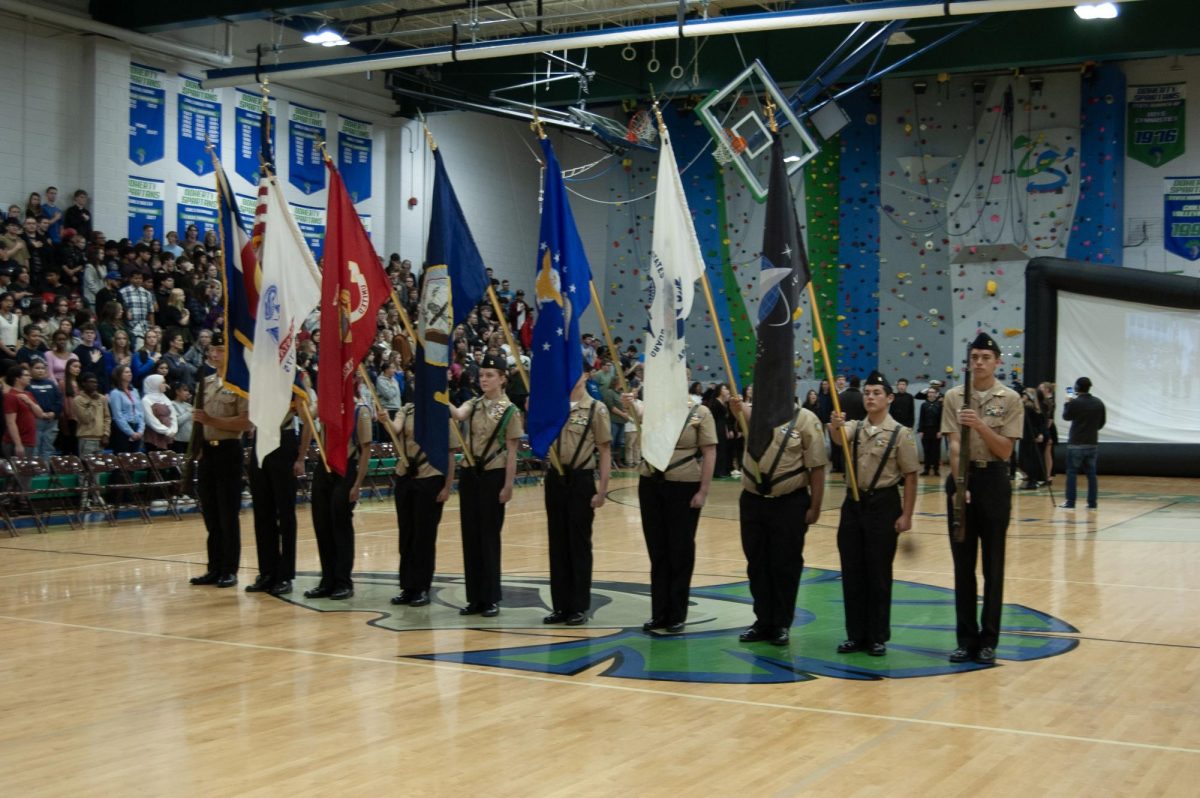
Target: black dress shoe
317	592
208	578
489	610
229	580
849	647
674	628
877	650
986	656
281	588
420	598
404	598
261	585
960	654
577	619
471	609
653	623
754	634
782	637
341	594
558	616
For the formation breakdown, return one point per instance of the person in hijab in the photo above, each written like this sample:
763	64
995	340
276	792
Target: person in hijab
161	423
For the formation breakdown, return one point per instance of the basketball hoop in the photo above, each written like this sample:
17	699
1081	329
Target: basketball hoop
641	128
722	154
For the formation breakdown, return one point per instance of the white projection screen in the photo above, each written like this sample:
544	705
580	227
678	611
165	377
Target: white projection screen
1136	335
1143	361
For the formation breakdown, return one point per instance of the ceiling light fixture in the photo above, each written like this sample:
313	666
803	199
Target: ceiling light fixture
1096	11
326	38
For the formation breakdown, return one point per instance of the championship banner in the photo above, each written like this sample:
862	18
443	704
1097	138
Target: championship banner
247	118
147	113
196	205
145	206
1181	218
311	222
354	157
199	125
1155	123
306	131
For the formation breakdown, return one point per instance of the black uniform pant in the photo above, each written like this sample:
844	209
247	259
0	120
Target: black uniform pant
333	523
418	513
987	526
931	444
220	489
669	526
482	517
866	540
570	514
273	489
773	532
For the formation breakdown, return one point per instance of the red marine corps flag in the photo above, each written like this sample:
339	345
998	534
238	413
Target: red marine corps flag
353	288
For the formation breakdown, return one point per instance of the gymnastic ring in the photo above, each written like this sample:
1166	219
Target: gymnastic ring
629	52
676	72
652	65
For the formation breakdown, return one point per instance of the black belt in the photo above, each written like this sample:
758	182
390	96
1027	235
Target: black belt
871	495
982	465
224	442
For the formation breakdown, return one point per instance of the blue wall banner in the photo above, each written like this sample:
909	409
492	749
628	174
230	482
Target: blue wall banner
196	205
248	208
147	113
354	157
145	206
1181	223
306	131
365	218
311	222
247	116
199	124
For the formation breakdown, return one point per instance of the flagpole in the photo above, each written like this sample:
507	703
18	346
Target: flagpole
612	348
366	378
312	424
851	478
712	312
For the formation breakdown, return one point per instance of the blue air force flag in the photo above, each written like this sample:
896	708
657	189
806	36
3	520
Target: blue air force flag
562	291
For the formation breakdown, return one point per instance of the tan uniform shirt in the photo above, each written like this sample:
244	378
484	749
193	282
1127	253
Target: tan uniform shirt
700	430
872	443
575	442
220	402
803	448
412	450
999	407
484	416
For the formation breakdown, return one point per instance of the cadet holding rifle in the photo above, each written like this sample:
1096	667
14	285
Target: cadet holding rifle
988	419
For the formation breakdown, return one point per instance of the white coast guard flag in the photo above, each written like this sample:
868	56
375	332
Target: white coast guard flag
289	291
675	265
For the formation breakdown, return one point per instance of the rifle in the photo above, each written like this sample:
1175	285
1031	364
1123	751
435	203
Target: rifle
196	441
958	521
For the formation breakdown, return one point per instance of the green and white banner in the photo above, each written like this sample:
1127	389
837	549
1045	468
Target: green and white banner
1155	123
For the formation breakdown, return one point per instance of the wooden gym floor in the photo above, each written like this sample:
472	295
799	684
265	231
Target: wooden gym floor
121	679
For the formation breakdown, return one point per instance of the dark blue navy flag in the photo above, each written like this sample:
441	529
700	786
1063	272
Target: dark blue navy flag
562	290
784	273
453	282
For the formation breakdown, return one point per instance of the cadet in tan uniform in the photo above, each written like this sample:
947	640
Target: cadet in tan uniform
776	510
420	491
670	503
996	419
493	432
225	416
884	453
572	500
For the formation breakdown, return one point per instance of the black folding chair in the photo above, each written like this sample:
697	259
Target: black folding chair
110	486
71	480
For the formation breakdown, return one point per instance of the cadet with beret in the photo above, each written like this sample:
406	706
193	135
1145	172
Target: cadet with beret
884	453
670	503
224	416
572	499
420	491
493	434
776	509
994	415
